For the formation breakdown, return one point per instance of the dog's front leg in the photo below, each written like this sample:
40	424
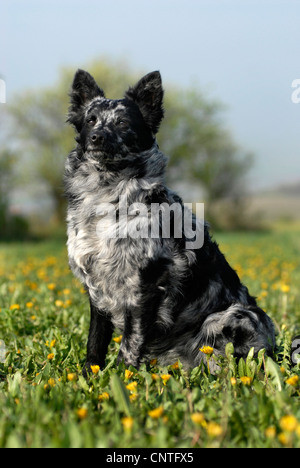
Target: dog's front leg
100	334
133	340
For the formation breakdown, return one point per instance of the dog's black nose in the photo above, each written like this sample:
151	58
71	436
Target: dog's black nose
96	138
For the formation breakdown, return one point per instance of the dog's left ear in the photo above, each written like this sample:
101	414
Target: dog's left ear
148	95
84	89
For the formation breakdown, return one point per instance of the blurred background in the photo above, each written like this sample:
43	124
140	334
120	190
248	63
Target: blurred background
231	129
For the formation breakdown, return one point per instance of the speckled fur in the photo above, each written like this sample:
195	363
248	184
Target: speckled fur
166	300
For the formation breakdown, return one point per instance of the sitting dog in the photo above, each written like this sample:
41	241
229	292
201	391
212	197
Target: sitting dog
167	299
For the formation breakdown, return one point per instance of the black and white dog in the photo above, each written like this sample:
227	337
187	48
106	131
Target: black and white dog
166	299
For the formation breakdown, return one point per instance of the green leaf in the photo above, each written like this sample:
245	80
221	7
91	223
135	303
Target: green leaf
120	394
242	367
229	351
273	372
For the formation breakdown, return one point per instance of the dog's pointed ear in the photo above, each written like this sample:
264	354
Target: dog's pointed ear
84	89
148	95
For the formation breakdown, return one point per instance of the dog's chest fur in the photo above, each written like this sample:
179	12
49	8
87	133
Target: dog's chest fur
109	266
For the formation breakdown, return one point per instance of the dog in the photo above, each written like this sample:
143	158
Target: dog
166	299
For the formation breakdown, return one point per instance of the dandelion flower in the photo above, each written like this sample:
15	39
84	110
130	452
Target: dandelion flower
285	288
155	376
246	380
132	386
270	432
283	438
95	369
288	423
198	418
128	374
51	286
59	303
117	339
71	377
233	381
156	413
127	423
50	356
292	380
15	307
165	378
82	413
207	350
51	382
29	305
213	429
103	396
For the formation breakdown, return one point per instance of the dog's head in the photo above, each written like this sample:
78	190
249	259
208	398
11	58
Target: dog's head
109	128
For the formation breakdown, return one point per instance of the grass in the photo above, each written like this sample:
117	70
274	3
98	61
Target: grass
45	402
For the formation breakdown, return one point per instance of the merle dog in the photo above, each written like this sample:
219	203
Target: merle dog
167	300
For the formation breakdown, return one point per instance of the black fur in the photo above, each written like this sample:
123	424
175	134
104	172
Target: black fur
167	300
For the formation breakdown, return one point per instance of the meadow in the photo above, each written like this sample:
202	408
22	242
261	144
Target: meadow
45	401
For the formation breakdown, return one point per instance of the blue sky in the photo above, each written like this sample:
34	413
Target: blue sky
245	53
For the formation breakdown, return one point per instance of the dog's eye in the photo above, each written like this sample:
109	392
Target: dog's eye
121	123
92	119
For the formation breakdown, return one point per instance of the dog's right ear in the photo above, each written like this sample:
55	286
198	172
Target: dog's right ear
84	89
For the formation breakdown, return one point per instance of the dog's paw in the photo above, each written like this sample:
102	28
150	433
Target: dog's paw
128	360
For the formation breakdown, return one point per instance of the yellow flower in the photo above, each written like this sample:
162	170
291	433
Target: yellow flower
132	386
52	343
51	286
233	381
207	350
155	377
14	307
59	303
51	382
246	380
153	362
82	413
283	438
213	429
118	339
128	374
50	356
29	305
270	432
293	380
288	423
156	413
198	418
165	378
66	292
95	369
103	396
71	377
33	317
133	396
127	423
175	366
285	288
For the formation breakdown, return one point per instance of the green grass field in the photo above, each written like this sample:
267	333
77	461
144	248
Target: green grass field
45	402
